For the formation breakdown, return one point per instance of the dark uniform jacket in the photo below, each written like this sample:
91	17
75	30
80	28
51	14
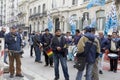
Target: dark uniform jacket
13	41
59	43
46	39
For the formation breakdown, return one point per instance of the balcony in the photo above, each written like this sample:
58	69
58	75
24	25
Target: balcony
20	25
38	15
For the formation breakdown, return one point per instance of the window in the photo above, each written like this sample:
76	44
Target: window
34	10
57	23
38	28
34	26
43	8
74	2
74	21
30	11
100	19
43	25
85	19
39	9
54	4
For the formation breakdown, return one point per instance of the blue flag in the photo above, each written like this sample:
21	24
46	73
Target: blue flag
50	23
93	24
72	25
95	2
73	28
112	21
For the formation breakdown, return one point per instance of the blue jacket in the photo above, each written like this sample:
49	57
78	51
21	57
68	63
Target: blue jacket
13	42
104	42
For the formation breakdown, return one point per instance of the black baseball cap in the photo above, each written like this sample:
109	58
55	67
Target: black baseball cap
87	29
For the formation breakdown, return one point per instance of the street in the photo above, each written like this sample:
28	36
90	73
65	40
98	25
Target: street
37	71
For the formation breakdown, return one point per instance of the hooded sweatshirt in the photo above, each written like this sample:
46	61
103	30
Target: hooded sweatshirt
84	39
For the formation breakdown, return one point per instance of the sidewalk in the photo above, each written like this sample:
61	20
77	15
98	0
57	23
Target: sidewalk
37	71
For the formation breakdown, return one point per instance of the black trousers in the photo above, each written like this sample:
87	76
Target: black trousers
113	64
47	59
31	50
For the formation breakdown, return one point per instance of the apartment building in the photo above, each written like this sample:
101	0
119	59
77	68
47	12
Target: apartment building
2	12
61	11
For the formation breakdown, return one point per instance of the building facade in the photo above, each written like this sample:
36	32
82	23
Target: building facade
2	12
61	11
12	12
38	14
23	14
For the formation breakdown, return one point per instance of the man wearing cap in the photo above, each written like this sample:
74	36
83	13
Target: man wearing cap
13	46
46	40
88	36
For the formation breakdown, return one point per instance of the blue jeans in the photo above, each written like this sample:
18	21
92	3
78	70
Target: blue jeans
63	61
5	57
89	68
37	53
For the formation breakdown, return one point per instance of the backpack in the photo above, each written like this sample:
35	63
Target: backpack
91	51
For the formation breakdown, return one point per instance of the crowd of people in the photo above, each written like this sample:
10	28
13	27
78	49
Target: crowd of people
60	44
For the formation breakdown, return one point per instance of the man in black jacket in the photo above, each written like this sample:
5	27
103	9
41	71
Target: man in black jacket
46	40
37	45
59	49
114	48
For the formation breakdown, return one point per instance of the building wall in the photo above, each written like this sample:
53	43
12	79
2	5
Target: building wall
23	13
2	12
11	12
78	9
38	23
61	11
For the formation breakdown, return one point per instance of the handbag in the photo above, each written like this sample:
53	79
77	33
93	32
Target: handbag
80	60
80	63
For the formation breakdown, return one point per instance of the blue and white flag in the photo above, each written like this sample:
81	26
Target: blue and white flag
50	23
111	20
72	25
93	23
95	2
